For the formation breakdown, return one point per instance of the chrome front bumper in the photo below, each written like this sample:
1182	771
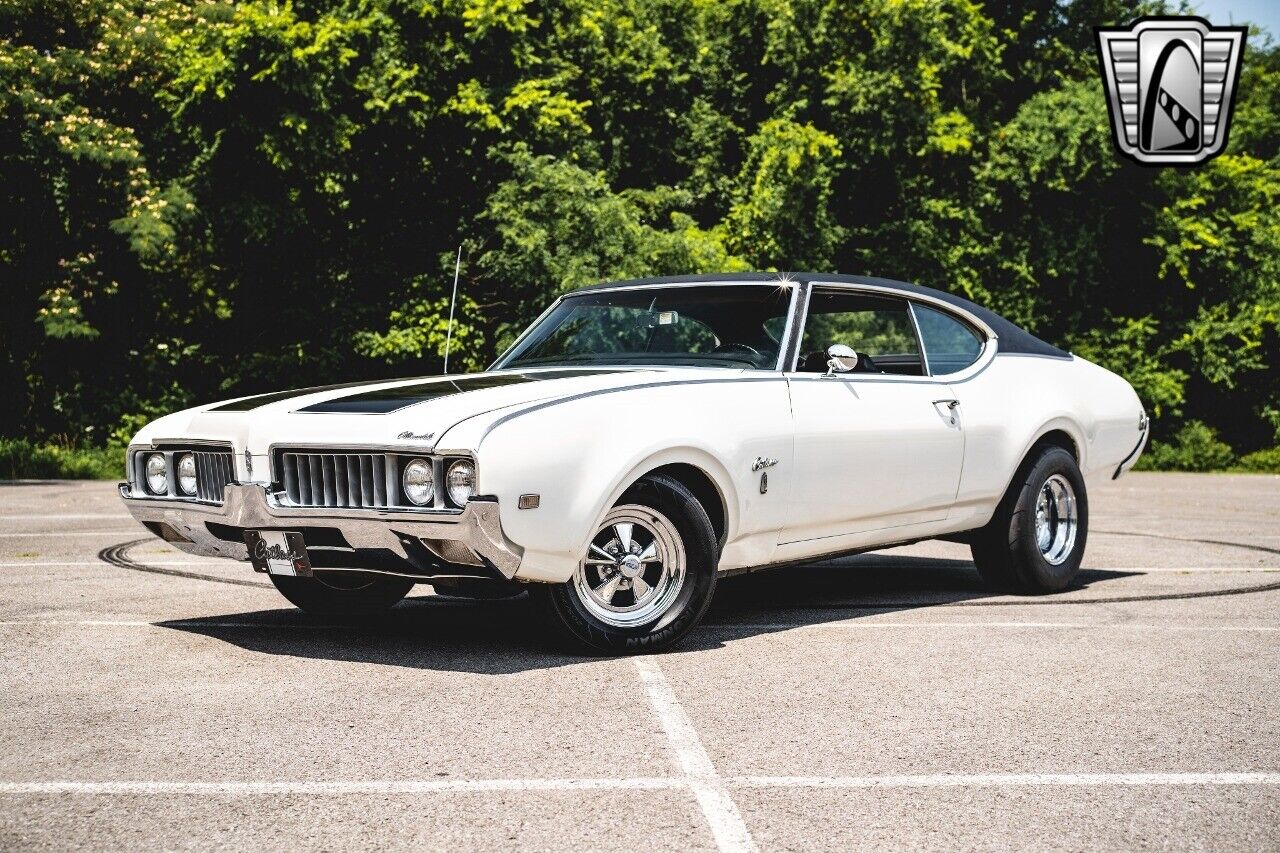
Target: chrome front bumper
476	529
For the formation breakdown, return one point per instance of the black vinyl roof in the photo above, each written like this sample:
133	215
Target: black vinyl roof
1013	338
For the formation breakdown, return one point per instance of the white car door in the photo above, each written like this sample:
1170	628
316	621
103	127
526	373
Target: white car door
876	448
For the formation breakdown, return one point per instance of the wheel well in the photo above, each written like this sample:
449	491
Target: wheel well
704	489
1056	438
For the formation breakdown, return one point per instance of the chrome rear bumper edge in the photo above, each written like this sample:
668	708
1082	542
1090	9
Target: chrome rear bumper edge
252	506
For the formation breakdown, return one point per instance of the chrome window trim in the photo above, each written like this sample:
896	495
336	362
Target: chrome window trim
931	301
925	369
877	291
497	362
722	282
792	284
990	346
1070	356
925	351
799	316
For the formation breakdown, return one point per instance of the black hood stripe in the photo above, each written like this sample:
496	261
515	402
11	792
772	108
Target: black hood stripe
381	401
257	401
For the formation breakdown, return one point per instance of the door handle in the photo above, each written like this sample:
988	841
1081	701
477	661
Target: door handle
951	405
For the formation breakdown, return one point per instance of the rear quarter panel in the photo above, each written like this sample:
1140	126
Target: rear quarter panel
1017	400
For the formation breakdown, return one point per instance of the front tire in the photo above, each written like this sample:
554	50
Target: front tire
1035	542
648	576
343	593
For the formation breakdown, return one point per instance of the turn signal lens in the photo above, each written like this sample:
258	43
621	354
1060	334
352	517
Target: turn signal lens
157	474
462	482
419	482
187	474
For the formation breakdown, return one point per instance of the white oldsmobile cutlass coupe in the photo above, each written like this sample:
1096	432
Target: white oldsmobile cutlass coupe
642	438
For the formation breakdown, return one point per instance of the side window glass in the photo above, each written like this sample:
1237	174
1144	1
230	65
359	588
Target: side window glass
949	345
878	328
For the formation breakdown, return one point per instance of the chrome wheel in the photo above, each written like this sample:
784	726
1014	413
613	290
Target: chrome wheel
1057	520
634	568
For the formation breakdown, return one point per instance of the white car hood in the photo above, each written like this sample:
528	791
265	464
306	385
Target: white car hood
412	413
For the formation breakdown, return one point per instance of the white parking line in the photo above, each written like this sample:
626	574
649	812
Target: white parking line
1003	780
1182	570
407	786
931	626
755	626
727	826
38	534
100	564
658	783
61	516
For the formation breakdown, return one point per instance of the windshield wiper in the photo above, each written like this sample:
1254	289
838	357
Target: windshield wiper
554	359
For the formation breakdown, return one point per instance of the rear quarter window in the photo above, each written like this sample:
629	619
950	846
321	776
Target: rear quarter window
950	345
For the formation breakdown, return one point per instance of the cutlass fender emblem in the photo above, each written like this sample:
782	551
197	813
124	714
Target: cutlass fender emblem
416	436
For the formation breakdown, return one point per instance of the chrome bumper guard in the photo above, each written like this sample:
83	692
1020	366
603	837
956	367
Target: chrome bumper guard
251	506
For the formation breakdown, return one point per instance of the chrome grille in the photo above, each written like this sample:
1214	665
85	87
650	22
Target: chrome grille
214	470
353	480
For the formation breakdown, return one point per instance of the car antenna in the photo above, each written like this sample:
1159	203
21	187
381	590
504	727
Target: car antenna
448	335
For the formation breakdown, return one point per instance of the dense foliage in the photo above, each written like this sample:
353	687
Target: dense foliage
209	198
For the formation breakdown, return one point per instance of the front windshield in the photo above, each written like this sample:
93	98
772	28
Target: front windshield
734	326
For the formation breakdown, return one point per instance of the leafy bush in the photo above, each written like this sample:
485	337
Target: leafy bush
1260	462
219	198
20	459
1195	447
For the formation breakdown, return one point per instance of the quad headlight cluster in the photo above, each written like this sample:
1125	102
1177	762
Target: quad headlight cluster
418	480
156	468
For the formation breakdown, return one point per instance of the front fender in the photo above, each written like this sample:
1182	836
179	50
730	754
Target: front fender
699	458
580	454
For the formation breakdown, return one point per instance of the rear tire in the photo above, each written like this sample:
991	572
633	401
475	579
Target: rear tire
659	534
1035	542
343	593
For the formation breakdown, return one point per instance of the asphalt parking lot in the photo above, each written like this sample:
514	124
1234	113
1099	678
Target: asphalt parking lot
156	700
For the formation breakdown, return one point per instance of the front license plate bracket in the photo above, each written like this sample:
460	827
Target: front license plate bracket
278	552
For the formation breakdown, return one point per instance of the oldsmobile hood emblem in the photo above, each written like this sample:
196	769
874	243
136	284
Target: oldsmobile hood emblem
1171	83
416	436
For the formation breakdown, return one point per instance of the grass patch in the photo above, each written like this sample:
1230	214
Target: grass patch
21	460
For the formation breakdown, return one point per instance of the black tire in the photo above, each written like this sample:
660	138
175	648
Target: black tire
1006	551
562	607
343	593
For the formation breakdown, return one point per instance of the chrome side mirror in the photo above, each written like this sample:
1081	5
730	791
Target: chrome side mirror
840	359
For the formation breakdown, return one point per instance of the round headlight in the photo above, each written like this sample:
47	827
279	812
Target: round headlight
418	481
157	474
187	473
462	482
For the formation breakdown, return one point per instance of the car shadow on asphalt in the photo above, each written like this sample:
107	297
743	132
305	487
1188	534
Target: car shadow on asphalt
506	636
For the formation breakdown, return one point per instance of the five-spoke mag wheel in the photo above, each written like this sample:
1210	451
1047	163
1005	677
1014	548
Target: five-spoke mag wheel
634	567
646	577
